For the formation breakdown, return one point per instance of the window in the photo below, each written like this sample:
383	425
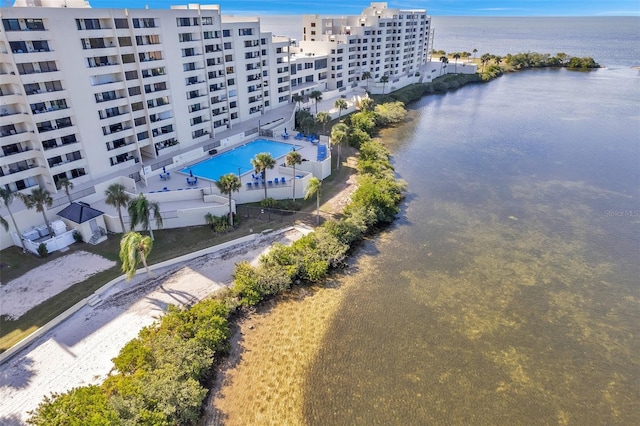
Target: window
11	24
207	20
131	75
128	59
183	37
137	106
124	41
121	23
183	22
226	33
245	31
227	46
26	68
133	91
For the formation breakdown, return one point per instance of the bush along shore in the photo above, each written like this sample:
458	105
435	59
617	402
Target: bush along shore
162	376
489	67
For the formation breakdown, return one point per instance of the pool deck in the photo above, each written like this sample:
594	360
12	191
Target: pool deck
178	180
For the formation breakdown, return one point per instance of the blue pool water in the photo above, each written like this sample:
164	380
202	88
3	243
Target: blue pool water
239	157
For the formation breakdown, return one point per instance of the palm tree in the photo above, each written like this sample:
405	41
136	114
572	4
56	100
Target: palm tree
67	185
40	199
7	199
316	95
367	104
307	123
117	197
474	53
484	59
313	187
228	184
291	160
340	104
134	249
139	211
456	56
339	135
297	99
323	118
261	163
497	59
384	80
366	76
444	61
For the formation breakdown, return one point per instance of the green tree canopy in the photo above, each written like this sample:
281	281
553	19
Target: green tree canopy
140	209
261	163
7	199
118	198
316	95
134	250
227	185
340	104
67	185
313	187
39	199
390	113
323	118
291	160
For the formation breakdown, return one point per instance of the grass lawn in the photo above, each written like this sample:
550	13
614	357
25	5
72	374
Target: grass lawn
168	244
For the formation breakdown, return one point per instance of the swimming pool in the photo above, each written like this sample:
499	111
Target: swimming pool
239	157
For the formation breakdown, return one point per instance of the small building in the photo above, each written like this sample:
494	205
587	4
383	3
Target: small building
88	221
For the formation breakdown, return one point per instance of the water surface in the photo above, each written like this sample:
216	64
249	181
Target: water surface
508	291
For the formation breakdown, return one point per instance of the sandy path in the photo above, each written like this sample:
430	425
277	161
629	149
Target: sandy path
79	351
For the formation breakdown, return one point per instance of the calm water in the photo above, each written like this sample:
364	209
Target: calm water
238	159
508	291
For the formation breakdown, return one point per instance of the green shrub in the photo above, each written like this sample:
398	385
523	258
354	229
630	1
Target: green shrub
219	224
42	250
77	236
269	203
87	405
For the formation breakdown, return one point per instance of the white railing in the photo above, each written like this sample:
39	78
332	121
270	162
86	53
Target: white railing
54	243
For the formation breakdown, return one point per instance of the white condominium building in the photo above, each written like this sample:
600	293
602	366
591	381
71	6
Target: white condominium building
87	93
381	42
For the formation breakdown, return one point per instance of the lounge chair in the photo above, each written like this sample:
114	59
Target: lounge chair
299	136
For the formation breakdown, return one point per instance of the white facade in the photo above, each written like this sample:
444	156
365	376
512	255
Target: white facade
381	41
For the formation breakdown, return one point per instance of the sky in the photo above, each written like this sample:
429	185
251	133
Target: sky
433	7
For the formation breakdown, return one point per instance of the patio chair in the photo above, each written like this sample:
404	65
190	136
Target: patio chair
249	185
299	136
283	180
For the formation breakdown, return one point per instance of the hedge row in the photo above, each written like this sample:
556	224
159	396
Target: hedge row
162	376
